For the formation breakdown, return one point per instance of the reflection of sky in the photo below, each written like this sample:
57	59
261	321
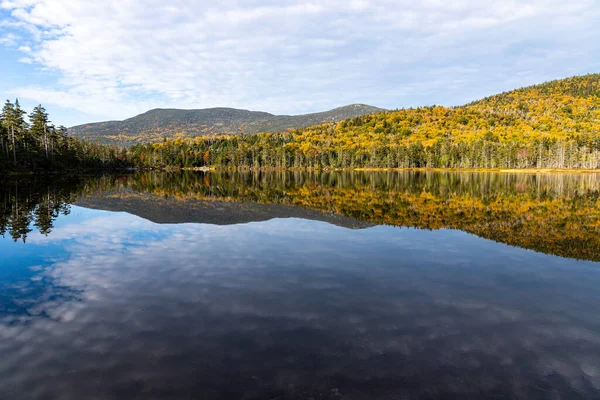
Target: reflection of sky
116	306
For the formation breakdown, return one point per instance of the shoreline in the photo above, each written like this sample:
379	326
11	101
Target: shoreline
483	170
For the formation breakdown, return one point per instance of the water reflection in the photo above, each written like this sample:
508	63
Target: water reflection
298	309
554	213
111	305
33	203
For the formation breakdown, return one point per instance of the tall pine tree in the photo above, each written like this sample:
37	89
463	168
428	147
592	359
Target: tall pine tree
40	126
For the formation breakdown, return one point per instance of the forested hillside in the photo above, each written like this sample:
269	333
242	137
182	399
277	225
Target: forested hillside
552	125
157	124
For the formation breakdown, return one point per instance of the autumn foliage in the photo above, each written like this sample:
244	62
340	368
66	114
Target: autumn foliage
552	125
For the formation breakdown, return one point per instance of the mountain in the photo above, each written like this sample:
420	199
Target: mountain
552	125
156	124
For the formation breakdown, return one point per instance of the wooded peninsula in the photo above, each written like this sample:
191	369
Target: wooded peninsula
552	125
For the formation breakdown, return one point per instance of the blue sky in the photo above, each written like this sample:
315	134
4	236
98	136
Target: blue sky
89	61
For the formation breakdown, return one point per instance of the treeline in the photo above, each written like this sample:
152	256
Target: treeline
30	142
287	151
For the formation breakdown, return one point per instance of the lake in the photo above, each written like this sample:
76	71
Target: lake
340	285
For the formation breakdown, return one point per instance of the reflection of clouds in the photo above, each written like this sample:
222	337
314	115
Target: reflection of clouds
299	308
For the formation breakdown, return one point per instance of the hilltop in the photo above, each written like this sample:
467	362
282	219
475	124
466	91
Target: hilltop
157	124
557	110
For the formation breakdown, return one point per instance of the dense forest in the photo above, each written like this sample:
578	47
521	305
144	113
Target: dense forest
555	214
552	125
32	143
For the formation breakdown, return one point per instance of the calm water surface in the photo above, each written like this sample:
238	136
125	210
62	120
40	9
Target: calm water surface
300	286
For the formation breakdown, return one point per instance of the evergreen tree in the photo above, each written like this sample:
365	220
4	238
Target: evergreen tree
39	123
10	122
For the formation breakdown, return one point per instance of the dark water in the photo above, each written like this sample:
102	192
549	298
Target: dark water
300	286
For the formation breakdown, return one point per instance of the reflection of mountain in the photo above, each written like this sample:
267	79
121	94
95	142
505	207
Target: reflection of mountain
173	210
554	214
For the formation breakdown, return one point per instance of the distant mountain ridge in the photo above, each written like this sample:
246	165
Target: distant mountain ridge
156	124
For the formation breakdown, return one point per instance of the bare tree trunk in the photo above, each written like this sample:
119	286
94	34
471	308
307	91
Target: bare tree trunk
46	141
12	128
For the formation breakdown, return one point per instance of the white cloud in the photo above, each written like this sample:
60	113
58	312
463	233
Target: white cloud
9	40
118	58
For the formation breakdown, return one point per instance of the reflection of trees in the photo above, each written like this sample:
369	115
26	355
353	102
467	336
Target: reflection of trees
36	202
27	203
556	214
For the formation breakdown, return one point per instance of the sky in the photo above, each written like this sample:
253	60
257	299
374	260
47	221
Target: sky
88	61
